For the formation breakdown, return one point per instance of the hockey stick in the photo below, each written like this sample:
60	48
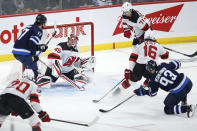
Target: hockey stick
78	123
96	101
66	78
54	33
192	55
104	111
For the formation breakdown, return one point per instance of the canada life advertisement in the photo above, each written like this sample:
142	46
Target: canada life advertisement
168	19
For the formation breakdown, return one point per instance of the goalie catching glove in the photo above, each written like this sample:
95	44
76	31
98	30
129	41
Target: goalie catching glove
88	62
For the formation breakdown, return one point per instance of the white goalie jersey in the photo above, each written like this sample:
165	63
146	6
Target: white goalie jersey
68	57
148	50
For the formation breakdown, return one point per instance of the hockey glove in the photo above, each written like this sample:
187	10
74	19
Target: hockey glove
42	47
44	116
127	74
35	58
127	33
141	91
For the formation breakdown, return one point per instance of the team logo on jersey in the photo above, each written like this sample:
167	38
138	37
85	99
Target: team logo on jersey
160	20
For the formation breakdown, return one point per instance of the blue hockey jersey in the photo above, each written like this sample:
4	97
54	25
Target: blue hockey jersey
27	41
167	78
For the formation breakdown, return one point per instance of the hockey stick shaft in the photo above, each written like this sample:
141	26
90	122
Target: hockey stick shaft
70	122
108	91
102	110
78	123
192	55
66	78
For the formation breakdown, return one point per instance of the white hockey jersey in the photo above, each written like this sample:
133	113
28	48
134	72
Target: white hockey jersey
68	56
137	23
146	51
25	89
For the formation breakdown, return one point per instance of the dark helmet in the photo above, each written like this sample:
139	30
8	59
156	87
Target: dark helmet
40	19
151	65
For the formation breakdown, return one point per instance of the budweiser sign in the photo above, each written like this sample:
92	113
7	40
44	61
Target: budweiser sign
161	20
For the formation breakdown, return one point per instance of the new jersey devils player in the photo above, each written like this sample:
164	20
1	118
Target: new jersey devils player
134	22
64	59
13	101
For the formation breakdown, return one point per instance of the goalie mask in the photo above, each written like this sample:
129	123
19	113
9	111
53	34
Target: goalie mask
28	74
73	41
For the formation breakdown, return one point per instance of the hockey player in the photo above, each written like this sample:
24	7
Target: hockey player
27	47
168	79
141	54
64	59
13	100
136	23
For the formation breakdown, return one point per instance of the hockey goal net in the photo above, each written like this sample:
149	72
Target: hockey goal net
84	31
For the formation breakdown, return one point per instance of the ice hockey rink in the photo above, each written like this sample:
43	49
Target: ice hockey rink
137	114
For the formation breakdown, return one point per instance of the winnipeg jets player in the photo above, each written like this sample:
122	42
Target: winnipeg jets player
64	59
168	79
136	23
13	100
27	44
141	54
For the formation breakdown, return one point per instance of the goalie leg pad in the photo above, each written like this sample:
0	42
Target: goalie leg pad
81	78
56	68
44	81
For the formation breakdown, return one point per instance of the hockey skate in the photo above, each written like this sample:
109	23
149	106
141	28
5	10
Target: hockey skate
191	111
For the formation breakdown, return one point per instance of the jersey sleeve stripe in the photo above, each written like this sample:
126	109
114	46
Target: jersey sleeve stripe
34	98
36	38
133	57
165	56
53	56
146	27
34	41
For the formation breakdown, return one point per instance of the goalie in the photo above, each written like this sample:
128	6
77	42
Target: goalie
64	60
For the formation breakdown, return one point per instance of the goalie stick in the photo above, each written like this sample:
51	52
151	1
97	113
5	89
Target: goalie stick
96	101
105	111
192	55
66	78
78	123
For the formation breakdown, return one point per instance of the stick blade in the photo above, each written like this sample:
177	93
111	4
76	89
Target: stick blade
95	101
93	121
103	111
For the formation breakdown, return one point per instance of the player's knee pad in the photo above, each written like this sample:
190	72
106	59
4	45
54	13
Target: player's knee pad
44	81
168	110
56	68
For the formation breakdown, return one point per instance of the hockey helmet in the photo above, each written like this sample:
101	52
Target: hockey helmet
40	19
126	7
28	74
151	65
73	40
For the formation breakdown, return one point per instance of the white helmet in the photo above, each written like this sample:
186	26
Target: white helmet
28	74
126	7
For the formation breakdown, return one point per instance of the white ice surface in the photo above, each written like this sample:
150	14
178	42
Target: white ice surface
137	114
